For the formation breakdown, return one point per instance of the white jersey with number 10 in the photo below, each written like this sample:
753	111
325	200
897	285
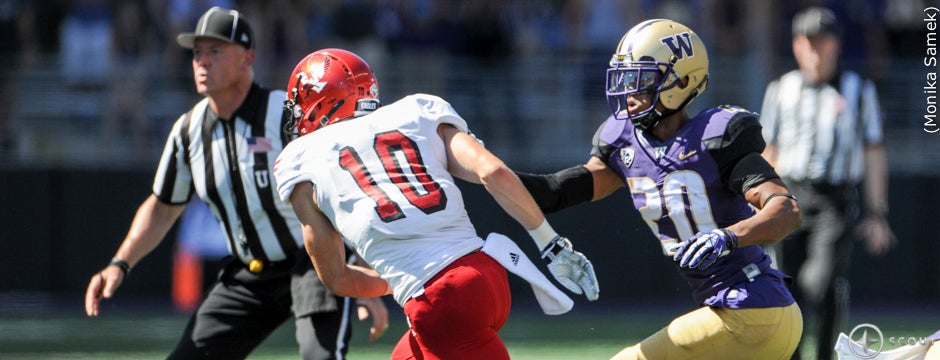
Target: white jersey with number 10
382	180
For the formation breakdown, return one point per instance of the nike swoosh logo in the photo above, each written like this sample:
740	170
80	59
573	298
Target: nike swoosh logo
683	156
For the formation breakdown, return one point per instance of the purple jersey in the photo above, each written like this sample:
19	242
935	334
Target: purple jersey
681	187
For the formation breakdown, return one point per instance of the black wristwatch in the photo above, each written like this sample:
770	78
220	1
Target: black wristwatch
121	264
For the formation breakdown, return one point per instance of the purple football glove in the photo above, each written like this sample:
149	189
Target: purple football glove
702	250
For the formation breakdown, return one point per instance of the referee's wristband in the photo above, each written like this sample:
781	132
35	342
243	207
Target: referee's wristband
121	264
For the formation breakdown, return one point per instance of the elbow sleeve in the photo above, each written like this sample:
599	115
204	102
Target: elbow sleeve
750	171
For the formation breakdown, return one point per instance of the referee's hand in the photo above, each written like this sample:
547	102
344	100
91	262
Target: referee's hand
375	308
102	285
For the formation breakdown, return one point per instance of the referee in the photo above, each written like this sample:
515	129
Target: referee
823	129
223	149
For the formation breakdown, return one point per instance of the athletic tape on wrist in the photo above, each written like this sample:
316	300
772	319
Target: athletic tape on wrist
543	234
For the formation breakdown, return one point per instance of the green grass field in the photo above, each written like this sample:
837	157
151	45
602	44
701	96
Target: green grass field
150	334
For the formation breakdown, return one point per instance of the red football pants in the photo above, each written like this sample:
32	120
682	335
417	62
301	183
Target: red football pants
458	316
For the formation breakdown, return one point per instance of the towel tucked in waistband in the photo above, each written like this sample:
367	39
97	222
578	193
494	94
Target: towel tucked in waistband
552	300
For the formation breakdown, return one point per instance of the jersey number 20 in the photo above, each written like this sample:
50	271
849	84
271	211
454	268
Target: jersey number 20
683	198
400	158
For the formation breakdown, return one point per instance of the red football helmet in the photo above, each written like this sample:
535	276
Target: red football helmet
327	86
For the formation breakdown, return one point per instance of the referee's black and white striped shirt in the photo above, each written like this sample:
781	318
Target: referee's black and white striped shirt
228	163
820	131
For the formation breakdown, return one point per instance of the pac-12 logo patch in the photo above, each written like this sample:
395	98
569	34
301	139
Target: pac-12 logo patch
627	156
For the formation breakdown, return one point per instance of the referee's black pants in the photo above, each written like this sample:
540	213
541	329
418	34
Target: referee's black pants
818	257
243	308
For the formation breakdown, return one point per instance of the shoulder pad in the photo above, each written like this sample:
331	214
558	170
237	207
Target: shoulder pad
428	108
602	148
741	123
741	127
737	134
432	106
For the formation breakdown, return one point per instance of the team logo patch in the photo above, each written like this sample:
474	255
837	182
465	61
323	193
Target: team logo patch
659	152
313	82
627	156
685	155
680	45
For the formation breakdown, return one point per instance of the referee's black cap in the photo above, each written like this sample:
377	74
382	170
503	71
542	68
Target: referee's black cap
223	24
816	21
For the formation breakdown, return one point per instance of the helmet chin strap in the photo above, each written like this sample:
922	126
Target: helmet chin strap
655	115
650	120
326	117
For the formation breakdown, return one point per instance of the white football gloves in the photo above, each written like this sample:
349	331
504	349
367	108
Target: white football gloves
571	268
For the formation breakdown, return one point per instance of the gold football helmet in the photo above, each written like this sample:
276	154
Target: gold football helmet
663	59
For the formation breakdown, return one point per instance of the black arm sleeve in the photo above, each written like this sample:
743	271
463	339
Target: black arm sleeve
751	170
561	190
737	153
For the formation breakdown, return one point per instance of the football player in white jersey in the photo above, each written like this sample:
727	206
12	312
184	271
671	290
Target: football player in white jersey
385	183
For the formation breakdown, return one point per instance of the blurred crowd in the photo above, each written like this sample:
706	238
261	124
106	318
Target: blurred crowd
120	46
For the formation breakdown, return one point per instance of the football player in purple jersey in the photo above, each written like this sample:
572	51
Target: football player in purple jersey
703	188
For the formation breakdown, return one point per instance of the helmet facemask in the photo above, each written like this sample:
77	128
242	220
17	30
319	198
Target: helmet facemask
297	123
638	78
291	116
301	123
